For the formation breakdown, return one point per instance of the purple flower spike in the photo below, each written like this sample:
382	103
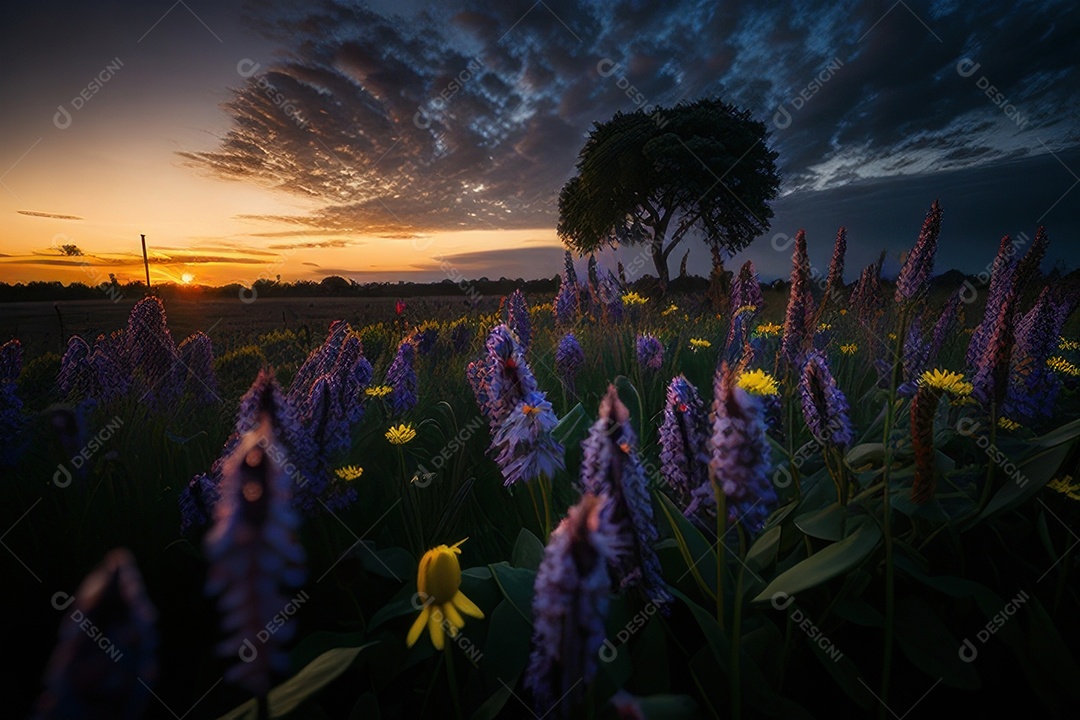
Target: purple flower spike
610	466
914	278
823	403
570	602
11	360
797	330
252	551
75	381
150	353
684	455
108	674
197	368
518	319
523	445
834	283
501	378
566	303
569	359
461	336
401	376
740	459
650	353
1033	386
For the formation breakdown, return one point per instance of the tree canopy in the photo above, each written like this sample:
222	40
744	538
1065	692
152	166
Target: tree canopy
653	178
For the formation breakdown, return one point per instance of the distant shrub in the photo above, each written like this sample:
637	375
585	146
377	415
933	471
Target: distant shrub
36	383
236	370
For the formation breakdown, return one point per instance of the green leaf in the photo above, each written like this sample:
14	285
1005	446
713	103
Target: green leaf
1030	476
669	707
826	564
288	696
698	553
395	563
826	524
573	424
929	644
844	672
872	454
1063	434
491	707
763	552
506	650
402	603
516	585
528	551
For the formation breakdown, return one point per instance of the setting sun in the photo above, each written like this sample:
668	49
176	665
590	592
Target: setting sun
186	278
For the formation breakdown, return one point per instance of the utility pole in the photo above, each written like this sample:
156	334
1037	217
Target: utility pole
146	263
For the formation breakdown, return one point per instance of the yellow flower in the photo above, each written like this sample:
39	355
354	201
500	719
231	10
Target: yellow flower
768	329
349	472
632	298
947	381
892	336
849	349
672	309
843	311
699	344
1069	344
401	434
758	382
1066	487
378	391
824	327
438	584
1063	366
1006	424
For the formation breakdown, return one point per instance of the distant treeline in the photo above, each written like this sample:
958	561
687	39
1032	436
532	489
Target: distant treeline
333	286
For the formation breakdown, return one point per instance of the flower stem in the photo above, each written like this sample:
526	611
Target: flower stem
451	678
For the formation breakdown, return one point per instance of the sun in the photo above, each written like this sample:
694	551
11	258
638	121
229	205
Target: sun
186	278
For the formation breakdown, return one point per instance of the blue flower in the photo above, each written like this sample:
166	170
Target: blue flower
684	456
823	404
523	445
518	319
401	376
650	353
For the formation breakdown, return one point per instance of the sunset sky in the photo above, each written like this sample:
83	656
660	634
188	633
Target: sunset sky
402	140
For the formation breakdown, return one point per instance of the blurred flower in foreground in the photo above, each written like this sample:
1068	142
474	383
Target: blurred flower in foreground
104	662
610	466
438	585
253	553
570	602
401	434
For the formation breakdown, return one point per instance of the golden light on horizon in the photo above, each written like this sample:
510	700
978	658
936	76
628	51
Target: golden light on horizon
186	278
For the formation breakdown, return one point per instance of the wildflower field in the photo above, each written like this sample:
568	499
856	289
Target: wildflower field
848	501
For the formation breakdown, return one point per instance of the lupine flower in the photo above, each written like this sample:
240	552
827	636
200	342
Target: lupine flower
569	358
319	362
252	551
914	278
684	457
835	280
823	403
1033	388
610	466
740	459
518	319
111	378
650	352
916	355
944	325
402	377
107	675
325	419
570	602
198	499
568	269
1001	282
501	378
523	445
150	353
746	290
11	360
11	420
197	368
438	585
611	298
75	379
1028	266
425	338
867	298
992	370
401	434
932	385
461	336
800	304
566	303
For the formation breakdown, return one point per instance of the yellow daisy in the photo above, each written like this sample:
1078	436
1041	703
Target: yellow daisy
1069	344
378	391
673	308
849	349
401	434
349	472
1066	487
1006	424
632	298
699	344
947	381
1063	366
438	584
758	382
768	329
824	327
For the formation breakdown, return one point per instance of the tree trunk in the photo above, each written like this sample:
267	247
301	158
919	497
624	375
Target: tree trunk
660	260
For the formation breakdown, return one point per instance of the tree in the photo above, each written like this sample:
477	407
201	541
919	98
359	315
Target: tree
652	178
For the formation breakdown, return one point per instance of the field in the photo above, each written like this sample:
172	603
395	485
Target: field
802	502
